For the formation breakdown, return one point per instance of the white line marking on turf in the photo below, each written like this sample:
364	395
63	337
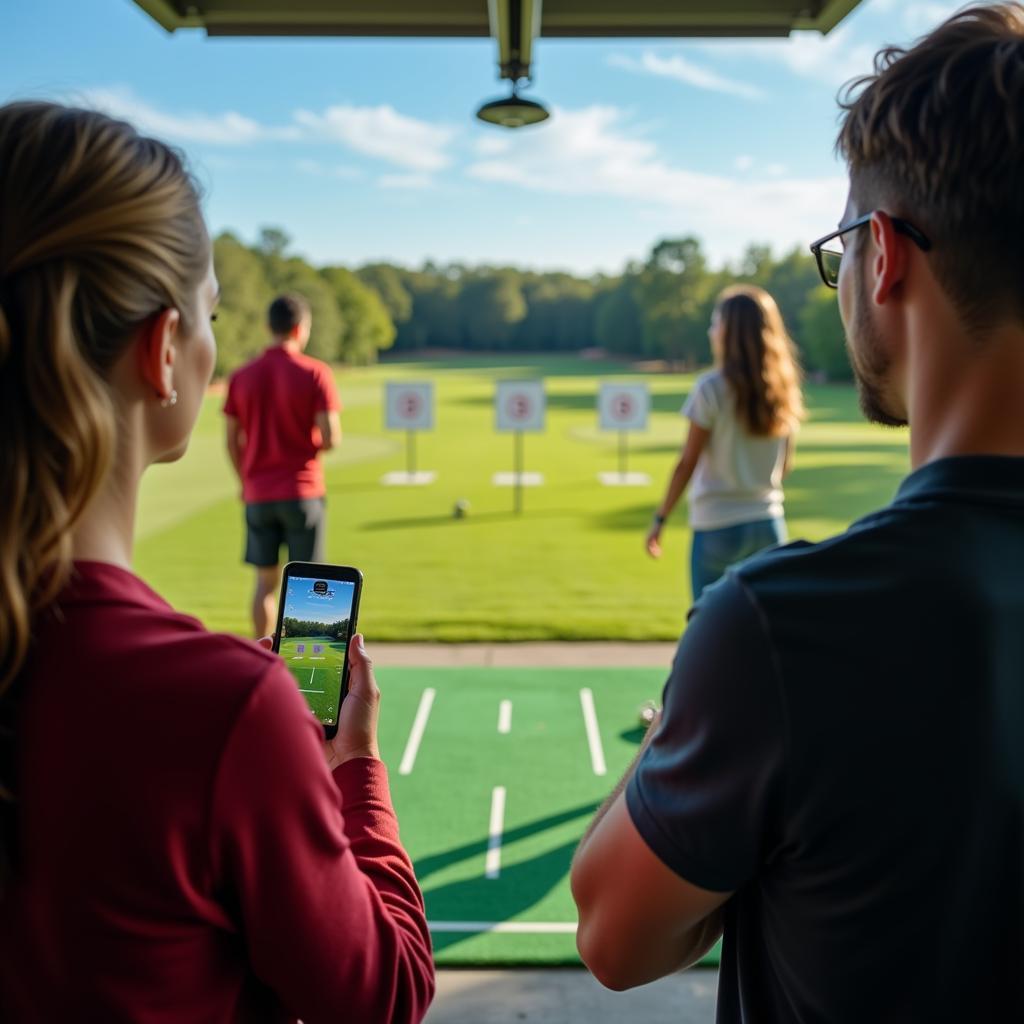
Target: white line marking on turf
593	735
516	927
505	716
493	863
416	733
312	676
301	690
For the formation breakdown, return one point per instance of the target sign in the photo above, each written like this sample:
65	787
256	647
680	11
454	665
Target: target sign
519	405
409	405
623	406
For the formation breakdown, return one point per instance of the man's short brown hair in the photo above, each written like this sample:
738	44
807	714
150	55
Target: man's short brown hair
936	135
286	313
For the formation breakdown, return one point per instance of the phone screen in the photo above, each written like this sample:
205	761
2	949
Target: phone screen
315	628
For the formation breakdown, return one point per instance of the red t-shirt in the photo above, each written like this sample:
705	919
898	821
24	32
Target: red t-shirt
275	399
182	850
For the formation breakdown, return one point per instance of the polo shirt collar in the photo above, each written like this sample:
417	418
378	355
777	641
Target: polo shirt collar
986	478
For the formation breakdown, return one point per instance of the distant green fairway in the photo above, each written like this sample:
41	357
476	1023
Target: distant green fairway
316	663
571	567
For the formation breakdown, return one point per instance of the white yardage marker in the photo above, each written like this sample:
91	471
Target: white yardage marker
593	734
492	867
505	716
515	927
416	733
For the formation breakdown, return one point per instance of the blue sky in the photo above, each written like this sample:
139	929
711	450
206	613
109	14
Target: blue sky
301	604
368	149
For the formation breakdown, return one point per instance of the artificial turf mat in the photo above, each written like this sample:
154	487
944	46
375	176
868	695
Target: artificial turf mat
544	764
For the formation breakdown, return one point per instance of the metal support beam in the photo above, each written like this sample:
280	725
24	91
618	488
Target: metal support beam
514	26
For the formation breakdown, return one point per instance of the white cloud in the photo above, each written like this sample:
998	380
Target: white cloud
686	71
743	163
843	54
381	132
832	59
919	18
406	181
384	133
227	129
319	170
593	154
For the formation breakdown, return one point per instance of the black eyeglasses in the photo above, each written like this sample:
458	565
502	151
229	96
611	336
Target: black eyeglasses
829	260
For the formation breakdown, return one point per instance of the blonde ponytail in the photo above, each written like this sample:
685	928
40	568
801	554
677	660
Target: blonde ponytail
100	228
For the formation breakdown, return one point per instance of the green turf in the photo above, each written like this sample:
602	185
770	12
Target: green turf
318	672
571	567
544	764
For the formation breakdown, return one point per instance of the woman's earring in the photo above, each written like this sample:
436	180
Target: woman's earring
171	399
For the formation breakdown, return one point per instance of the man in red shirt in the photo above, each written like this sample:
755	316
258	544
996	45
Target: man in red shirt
282	411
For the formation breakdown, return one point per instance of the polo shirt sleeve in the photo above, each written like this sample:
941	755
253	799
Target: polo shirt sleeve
327	399
323	892
707	793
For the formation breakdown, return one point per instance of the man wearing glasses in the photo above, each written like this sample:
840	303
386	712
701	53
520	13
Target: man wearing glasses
837	783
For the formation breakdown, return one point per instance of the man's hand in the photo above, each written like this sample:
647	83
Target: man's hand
357	719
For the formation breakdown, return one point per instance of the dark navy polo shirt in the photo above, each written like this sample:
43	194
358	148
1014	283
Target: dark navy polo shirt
843	749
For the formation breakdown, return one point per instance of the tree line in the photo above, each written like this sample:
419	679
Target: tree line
658	308
292	627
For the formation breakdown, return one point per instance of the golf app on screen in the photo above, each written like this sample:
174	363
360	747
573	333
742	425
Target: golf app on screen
315	629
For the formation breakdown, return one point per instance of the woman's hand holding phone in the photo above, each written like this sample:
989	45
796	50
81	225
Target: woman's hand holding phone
357	718
357	722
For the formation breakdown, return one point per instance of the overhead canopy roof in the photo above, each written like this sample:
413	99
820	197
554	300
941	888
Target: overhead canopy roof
559	18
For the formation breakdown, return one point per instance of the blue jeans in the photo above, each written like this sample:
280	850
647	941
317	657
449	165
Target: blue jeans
715	550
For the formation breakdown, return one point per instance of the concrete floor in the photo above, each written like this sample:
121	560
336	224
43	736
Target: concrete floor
569	996
524	655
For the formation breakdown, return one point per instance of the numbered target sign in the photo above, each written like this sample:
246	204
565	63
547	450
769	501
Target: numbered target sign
623	406
409	405
519	405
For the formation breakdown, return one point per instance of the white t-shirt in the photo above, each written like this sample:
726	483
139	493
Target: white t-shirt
738	478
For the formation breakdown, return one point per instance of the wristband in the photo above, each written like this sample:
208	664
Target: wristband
659	520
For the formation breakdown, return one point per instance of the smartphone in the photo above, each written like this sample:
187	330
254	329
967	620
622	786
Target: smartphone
316	619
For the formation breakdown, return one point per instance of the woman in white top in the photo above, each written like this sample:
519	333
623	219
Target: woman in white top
743	417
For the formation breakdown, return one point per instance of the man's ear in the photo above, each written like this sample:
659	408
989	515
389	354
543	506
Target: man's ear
157	351
889	259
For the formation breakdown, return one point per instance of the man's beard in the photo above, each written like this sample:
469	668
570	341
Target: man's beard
871	364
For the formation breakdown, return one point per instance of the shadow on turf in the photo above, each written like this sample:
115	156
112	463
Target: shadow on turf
518	888
472	517
435	862
635	735
844	493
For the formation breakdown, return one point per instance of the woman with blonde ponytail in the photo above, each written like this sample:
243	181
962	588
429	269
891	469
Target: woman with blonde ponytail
172	846
743	419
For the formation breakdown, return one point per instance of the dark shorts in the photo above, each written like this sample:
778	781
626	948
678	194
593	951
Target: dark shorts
301	524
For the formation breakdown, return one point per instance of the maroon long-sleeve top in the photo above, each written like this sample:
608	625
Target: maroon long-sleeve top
184	854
